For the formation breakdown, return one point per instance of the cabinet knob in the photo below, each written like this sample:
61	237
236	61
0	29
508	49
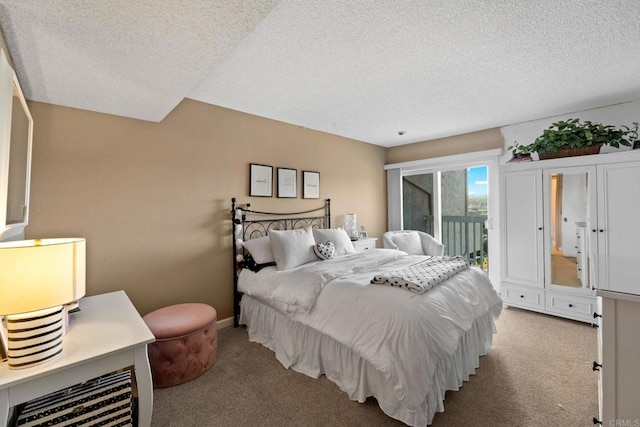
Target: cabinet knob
596	421
596	366
596	315
539	228
593	231
570	305
601	230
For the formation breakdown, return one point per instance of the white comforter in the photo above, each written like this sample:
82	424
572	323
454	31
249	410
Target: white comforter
401	333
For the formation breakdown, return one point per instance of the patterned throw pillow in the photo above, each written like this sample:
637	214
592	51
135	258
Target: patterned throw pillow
325	250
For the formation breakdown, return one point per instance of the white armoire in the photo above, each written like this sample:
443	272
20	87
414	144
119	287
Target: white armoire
570	235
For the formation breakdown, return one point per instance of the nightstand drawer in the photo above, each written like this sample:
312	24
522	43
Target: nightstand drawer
364	244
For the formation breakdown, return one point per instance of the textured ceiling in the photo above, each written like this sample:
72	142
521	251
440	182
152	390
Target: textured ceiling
362	69
132	58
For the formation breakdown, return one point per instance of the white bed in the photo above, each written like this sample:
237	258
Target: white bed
406	349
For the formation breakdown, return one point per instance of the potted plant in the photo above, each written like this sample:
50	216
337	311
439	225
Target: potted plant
519	153
575	138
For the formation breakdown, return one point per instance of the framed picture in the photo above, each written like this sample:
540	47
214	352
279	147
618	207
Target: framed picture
260	180
287	185
310	185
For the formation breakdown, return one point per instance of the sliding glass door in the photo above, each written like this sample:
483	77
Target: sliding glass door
451	205
417	202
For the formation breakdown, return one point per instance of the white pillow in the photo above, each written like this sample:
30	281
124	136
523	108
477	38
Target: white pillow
292	248
338	236
260	250
409	243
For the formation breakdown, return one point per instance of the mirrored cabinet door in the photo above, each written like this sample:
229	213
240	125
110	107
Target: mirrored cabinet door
569	210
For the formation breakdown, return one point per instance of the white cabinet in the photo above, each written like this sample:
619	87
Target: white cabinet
570	226
618	227
619	359
522	232
537	274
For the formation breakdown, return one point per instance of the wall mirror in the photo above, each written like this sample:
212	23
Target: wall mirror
568	222
19	159
16	133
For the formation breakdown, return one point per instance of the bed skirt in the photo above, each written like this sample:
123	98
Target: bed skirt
312	353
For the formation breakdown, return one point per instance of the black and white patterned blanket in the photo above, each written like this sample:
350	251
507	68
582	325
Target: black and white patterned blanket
423	275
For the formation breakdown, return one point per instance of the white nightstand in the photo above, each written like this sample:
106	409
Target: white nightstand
365	244
106	335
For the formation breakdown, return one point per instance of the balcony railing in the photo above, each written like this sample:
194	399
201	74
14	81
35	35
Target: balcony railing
464	235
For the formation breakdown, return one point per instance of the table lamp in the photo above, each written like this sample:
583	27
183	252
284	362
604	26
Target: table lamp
37	278
350	226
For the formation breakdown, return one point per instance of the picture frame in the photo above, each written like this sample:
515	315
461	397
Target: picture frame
310	185
260	180
287	183
362	234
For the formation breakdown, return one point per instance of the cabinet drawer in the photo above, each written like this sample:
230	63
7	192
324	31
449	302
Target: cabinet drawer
522	296
577	306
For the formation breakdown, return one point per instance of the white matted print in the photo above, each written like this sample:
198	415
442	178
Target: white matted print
260	180
310	185
287	182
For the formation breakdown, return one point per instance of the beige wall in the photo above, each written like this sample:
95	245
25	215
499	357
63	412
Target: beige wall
152	199
459	144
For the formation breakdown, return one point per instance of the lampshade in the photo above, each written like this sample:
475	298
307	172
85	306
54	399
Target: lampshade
38	277
37	274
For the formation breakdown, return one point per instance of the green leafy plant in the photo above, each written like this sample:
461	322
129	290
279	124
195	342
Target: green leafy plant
573	133
518	150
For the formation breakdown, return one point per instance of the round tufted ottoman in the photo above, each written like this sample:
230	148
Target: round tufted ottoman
186	342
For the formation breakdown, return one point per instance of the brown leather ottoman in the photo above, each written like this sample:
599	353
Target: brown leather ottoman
186	342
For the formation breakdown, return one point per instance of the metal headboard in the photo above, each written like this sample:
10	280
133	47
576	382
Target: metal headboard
251	224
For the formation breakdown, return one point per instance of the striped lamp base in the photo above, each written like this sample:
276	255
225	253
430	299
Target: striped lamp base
35	337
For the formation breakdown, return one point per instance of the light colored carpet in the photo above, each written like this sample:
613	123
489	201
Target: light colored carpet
538	373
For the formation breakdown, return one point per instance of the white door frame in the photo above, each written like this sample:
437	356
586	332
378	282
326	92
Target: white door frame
488	158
